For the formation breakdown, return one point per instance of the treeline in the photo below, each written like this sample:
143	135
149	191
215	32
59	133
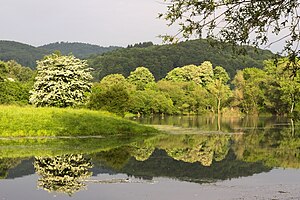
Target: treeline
27	55
189	89
201	89
160	59
24	54
78	49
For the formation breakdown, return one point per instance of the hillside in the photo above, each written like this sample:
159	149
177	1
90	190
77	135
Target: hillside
78	49
27	55
160	59
24	54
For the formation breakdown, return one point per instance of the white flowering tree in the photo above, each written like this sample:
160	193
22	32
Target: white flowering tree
61	81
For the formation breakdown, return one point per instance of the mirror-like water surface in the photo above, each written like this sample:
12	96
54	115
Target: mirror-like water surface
204	158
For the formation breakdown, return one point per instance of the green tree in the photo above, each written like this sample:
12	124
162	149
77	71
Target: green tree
150	102
238	22
221	74
141	77
111	94
113	99
15	83
220	92
3	70
200	75
61	81
249	90
113	79
283	92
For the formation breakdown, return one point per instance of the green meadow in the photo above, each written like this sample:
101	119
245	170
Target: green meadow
28	121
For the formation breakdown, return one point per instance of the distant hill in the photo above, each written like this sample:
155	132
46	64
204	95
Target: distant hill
78	49
160	59
24	54
27	55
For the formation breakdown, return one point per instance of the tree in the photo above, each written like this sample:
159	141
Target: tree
140	77
221	74
113	99
111	94
219	91
15	83
200	75
284	86
238	22
250	90
61	81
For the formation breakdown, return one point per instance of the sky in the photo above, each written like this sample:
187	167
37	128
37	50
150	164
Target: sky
101	22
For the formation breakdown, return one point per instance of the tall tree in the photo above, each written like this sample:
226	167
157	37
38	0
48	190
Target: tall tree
284	86
250	90
220	91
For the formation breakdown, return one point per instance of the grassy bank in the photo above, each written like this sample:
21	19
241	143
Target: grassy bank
29	121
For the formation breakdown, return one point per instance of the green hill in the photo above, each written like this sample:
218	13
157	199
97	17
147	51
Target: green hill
160	59
27	55
78	49
24	54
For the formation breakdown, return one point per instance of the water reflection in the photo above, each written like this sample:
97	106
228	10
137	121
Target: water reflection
64	173
230	148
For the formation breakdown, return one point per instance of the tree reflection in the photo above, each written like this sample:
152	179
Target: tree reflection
64	173
141	151
201	148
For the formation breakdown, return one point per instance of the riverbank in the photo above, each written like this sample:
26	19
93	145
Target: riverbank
28	121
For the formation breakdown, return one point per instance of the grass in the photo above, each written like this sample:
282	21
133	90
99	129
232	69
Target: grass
18	121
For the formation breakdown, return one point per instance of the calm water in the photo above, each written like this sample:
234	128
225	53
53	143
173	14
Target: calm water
203	158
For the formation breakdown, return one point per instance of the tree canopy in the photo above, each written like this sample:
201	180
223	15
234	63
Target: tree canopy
237	21
61	81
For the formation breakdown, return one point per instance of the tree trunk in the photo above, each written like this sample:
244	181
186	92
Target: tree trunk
219	106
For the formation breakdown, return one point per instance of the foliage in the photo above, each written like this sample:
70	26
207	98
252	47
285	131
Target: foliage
220	92
283	89
113	99
27	121
80	50
24	54
237	22
27	55
15	83
141	45
274	89
150	102
161	59
61	81
200	75
141	77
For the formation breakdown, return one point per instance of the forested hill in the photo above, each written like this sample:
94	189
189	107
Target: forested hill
27	55
160	59
24	54
78	49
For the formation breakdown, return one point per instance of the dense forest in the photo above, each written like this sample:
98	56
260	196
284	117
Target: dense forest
80	50
24	54
160	59
27	55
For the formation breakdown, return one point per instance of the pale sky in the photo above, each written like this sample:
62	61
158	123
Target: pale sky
101	22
